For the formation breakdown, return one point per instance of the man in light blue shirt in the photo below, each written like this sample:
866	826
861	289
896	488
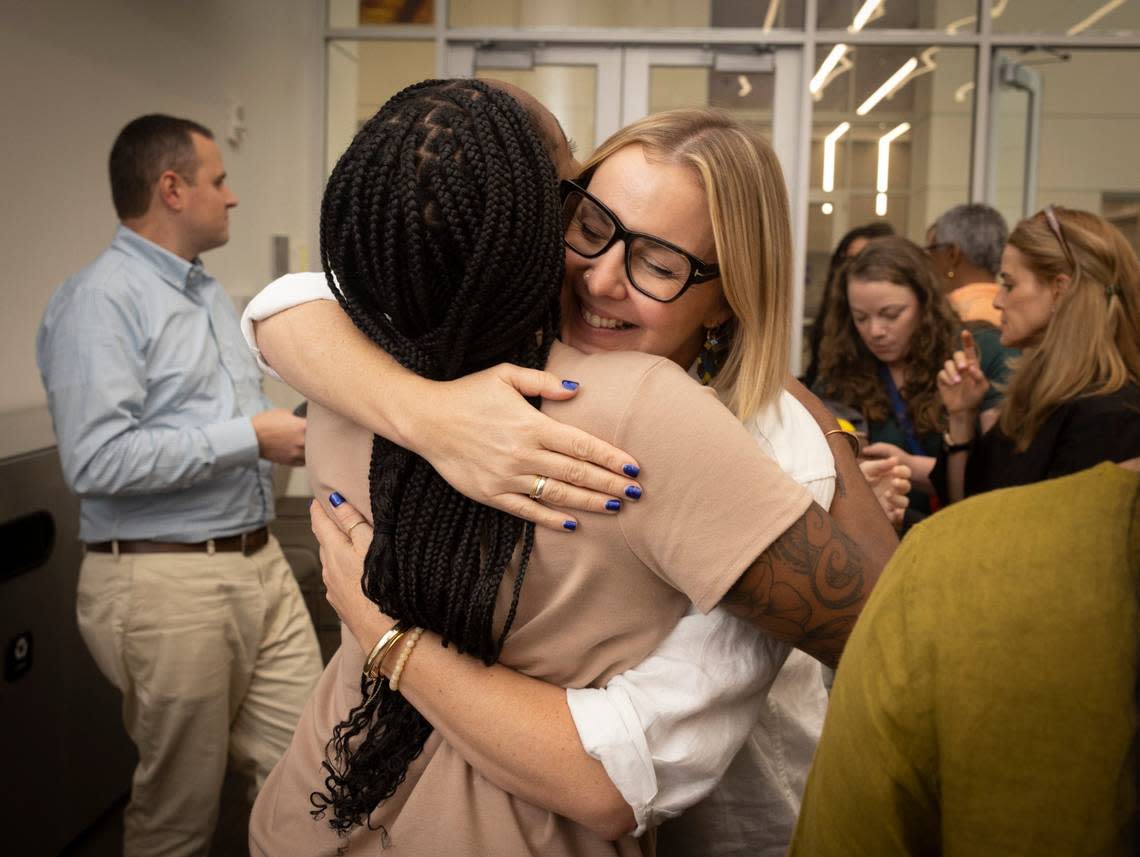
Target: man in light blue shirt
187	604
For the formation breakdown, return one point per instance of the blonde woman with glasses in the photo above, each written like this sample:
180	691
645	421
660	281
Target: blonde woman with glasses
1070	299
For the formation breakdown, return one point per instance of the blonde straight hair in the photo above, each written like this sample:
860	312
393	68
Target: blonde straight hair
1091	345
748	206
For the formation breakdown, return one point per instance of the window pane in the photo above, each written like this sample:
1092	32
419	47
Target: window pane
361	77
607	13
747	96
926	118
364	13
1072	17
953	15
1090	121
568	91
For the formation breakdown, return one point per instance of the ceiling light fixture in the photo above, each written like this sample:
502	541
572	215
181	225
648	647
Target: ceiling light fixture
827	208
1081	26
825	68
829	142
882	178
864	15
822	77
889	86
770	18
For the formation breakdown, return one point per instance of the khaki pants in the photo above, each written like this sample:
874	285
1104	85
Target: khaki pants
215	657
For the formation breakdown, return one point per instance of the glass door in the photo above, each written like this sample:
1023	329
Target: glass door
1014	138
580	85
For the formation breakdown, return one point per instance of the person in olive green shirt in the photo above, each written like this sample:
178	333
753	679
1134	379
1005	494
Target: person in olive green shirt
986	701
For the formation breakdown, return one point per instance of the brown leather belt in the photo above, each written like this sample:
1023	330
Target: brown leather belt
246	543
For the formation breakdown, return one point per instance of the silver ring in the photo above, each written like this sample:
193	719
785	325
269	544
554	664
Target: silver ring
539	487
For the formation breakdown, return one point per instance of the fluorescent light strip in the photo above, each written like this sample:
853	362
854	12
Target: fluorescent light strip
864	15
829	155
770	18
1081	26
826	67
883	176
890	85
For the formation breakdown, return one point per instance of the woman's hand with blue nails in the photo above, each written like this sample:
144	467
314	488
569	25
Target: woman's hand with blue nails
344	536
492	445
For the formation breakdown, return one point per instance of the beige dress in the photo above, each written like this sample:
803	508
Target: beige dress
594	603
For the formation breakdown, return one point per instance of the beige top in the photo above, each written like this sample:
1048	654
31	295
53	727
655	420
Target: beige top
594	603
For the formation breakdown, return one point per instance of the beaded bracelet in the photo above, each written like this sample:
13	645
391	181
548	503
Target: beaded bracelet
413	638
384	645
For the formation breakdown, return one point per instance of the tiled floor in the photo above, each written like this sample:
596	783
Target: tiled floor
105	838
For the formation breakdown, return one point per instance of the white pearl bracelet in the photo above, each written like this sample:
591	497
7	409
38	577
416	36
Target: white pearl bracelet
413	638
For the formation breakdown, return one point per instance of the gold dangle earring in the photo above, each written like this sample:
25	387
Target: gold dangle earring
718	340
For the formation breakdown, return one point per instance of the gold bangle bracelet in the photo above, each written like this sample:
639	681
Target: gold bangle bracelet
384	645
852	439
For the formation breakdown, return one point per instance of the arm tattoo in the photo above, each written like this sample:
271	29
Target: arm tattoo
807	588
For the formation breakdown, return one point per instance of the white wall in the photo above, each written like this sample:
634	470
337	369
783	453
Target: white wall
75	73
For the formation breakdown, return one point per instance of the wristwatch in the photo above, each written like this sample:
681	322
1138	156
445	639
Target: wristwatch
949	447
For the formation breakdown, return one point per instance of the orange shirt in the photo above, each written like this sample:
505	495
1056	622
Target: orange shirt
975	302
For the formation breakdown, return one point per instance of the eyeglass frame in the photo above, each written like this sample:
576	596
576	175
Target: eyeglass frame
699	270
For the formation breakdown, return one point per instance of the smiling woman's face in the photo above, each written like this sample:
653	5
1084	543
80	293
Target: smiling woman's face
601	310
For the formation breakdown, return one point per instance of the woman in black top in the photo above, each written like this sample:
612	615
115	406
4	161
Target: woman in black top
1070	299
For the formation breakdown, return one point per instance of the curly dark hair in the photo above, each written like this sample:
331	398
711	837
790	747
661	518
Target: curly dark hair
849	372
441	237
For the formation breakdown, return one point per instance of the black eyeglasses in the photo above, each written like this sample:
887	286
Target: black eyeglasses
1055	225
656	268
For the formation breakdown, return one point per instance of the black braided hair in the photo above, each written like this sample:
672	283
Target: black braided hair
441	237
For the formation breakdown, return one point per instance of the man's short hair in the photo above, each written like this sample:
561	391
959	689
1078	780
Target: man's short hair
979	231
145	149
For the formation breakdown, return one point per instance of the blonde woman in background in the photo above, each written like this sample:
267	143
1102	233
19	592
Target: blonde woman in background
1070	299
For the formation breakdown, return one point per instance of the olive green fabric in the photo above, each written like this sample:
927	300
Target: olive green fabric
985	702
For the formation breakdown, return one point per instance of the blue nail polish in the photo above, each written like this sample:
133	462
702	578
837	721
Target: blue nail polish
570	525
633	492
630	470
335	499
570	385
613	505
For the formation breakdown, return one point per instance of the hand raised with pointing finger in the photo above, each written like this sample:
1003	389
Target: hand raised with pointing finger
961	383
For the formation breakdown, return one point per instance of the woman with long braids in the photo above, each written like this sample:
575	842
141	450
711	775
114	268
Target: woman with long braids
428	657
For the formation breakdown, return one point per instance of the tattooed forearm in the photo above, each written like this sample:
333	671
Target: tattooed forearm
807	588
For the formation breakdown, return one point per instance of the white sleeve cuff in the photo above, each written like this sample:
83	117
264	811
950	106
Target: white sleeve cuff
611	732
283	293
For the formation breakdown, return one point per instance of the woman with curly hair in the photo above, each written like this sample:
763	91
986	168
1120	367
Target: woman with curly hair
884	341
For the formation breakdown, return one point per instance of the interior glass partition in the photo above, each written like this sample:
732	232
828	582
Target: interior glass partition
1081	151
890	141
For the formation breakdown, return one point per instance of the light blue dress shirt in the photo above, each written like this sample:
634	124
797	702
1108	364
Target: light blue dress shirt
151	390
